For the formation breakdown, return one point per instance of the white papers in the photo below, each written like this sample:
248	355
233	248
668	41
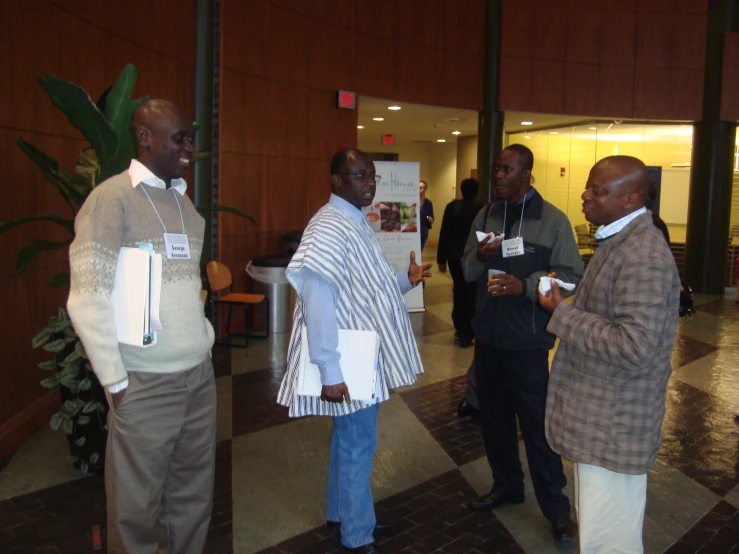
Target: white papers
135	297
481	236
545	284
359	352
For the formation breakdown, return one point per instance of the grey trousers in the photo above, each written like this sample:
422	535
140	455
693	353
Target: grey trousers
160	462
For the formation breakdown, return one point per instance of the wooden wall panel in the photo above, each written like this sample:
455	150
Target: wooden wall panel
337	45
241	184
515	32
87	42
285	188
243	36
318	187
288	36
673	6
422	22
619	57
328	126
730	84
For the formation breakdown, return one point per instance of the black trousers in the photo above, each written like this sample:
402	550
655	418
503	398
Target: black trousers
514	383
463	301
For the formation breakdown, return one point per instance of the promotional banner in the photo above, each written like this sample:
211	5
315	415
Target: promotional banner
394	216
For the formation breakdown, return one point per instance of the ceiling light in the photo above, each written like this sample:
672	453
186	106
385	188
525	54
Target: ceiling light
360	126
527	123
378	119
456	132
394	108
440	140
553	132
528	137
593	128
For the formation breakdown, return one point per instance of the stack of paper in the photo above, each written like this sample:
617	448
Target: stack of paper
359	354
136	294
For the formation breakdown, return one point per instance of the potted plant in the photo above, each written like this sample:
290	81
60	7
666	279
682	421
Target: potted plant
106	126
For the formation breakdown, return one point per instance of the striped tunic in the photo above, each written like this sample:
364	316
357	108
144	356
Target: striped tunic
347	254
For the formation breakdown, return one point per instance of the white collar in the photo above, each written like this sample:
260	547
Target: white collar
605	231
139	173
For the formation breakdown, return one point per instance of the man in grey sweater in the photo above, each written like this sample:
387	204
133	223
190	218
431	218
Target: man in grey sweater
161	443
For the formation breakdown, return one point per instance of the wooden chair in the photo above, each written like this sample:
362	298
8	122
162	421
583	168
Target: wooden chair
219	279
585	240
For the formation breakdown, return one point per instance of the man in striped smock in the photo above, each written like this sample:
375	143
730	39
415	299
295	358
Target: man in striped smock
344	281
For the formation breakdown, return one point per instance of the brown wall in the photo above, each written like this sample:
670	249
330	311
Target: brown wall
605	58
730	78
283	62
88	42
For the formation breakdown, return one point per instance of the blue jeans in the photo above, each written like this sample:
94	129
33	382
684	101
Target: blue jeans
349	494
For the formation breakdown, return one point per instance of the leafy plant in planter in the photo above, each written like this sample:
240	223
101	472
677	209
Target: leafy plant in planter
106	125
83	409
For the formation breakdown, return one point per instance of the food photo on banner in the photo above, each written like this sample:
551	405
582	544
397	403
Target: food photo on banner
394	217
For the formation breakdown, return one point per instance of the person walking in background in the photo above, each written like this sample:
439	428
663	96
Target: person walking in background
608	384
511	342
344	281
426	213
160	457
455	228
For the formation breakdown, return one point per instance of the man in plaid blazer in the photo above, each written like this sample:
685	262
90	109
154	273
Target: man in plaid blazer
606	396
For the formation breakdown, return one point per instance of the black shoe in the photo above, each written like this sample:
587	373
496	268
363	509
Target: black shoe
563	528
366	549
381	530
493	500
466	409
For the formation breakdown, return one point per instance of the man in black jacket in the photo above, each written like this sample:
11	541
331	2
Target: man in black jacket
455	228
511	342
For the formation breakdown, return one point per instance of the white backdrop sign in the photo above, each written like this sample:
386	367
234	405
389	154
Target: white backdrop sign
394	216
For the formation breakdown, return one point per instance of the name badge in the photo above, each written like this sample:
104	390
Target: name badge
513	247
177	245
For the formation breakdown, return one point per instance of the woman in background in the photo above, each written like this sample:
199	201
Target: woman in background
427	213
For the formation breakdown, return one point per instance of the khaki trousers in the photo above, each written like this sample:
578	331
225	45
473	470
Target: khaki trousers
160	462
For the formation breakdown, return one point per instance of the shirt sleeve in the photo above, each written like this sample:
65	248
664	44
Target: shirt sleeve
403	281
322	329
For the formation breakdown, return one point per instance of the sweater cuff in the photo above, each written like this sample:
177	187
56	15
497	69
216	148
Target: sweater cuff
118	387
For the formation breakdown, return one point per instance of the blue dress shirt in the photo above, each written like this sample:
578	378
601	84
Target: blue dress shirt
319	296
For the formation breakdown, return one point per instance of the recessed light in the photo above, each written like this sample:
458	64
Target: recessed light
553	132
593	128
360	126
378	119
440	140
528	137
456	132
394	108
527	123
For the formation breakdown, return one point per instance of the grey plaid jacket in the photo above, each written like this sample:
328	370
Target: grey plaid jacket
606	396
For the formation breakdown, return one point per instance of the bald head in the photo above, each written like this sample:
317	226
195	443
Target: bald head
616	187
628	174
164	138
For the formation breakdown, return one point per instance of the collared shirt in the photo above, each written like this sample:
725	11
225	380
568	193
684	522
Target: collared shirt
605	231
320	310
139	173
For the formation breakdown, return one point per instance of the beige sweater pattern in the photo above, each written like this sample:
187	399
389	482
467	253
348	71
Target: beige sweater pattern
115	215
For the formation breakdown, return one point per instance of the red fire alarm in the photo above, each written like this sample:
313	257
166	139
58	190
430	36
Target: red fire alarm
562	171
345	99
388	140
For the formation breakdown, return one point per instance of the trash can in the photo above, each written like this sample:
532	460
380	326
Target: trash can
268	273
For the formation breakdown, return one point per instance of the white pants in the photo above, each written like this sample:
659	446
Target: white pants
610	510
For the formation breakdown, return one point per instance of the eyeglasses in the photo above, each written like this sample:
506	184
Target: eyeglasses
365	176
